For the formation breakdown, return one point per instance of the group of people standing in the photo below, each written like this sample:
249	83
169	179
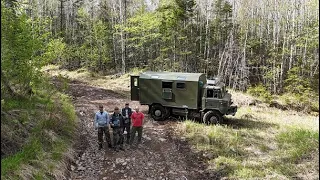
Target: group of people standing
119	122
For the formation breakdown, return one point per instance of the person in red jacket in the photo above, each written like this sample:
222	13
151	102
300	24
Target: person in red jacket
137	119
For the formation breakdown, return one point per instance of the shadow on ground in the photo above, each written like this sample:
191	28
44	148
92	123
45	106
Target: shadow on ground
235	123
249	123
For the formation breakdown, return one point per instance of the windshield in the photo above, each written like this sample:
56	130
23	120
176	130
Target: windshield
214	93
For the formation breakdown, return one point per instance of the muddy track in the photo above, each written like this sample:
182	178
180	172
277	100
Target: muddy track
160	156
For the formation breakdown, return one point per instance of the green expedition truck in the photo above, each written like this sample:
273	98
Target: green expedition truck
184	94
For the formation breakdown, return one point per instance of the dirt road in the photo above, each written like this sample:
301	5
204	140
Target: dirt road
161	155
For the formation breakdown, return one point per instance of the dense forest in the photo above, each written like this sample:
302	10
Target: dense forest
266	51
268	43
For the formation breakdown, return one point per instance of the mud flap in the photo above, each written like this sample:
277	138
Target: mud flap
201	115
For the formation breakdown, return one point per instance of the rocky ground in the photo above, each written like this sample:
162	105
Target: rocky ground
160	156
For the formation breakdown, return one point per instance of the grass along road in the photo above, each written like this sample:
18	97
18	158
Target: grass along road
258	143
37	135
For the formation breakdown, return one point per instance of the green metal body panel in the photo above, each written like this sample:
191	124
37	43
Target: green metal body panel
154	87
180	91
220	104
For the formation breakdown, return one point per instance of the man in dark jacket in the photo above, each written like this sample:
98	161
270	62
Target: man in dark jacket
126	113
116	123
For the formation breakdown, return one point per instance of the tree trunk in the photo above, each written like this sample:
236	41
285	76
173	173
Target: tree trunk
122	36
292	36
6	84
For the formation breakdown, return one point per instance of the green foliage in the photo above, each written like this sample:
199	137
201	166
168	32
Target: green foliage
55	51
247	173
14	103
93	47
227	165
295	83
227	146
299	94
17	49
307	101
26	46
143	29
168	13
184	35
54	125
261	92
65	83
12	163
186	8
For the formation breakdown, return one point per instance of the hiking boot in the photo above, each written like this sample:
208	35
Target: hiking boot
122	149
110	146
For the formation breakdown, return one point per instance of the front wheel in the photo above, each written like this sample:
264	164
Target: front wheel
212	117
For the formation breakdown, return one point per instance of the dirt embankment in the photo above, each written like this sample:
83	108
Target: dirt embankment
161	155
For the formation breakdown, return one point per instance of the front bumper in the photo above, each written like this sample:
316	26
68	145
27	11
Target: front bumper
232	110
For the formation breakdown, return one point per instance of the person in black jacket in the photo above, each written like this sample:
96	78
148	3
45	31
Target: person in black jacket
126	113
117	122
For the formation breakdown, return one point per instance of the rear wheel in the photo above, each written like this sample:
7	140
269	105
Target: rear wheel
158	112
212	117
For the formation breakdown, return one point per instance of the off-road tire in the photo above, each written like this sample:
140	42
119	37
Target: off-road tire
156	109
208	115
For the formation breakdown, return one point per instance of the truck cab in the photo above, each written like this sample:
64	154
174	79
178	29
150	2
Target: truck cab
216	102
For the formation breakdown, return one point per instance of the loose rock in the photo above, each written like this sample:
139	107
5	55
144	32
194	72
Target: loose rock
119	160
81	168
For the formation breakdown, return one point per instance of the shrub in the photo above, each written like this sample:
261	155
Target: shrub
261	92
306	102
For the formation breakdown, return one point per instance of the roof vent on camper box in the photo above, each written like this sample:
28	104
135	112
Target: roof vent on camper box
181	78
